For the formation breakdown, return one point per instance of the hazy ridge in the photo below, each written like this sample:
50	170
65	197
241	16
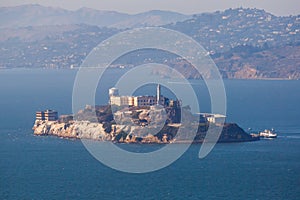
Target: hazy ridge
244	43
37	15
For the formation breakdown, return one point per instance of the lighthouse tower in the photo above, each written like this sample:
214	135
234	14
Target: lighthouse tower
158	95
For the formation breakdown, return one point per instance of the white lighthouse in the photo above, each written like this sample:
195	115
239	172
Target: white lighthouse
158	94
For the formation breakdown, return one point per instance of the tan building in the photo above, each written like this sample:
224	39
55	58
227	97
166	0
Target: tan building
122	100
47	115
115	99
145	101
39	115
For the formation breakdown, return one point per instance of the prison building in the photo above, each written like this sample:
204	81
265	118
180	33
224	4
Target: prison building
47	115
116	99
122	100
145	101
39	115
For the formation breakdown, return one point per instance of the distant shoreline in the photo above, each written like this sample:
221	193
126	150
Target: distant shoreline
75	69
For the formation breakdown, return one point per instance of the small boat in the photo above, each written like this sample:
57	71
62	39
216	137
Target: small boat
268	134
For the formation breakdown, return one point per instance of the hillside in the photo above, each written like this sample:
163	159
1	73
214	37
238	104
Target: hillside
221	31
244	43
59	46
272	63
37	15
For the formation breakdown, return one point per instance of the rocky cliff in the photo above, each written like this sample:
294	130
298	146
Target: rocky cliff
135	126
72	129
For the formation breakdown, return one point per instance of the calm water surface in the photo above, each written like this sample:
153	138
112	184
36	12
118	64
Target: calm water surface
52	168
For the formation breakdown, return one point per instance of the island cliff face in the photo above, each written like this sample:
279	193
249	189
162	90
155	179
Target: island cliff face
133	128
72	129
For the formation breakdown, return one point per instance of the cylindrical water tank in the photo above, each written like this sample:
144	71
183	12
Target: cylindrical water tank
113	92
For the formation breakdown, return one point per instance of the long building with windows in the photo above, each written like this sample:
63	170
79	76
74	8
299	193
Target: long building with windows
47	115
115	99
121	100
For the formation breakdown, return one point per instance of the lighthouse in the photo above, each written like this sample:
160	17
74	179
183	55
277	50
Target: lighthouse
158	95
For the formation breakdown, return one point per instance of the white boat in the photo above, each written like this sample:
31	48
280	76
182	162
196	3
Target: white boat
268	134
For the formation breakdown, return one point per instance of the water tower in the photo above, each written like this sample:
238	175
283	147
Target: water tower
113	92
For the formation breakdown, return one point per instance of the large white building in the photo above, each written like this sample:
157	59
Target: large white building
115	99
121	100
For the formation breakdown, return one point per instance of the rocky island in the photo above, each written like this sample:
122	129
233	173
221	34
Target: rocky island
139	119
137	126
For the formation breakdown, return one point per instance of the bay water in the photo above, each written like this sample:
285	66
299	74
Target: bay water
34	167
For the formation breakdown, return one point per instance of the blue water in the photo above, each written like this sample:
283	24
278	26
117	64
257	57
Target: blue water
52	168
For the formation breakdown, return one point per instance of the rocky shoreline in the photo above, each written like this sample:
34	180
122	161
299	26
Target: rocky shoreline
106	129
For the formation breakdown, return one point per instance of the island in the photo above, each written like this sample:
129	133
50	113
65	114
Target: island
142	119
